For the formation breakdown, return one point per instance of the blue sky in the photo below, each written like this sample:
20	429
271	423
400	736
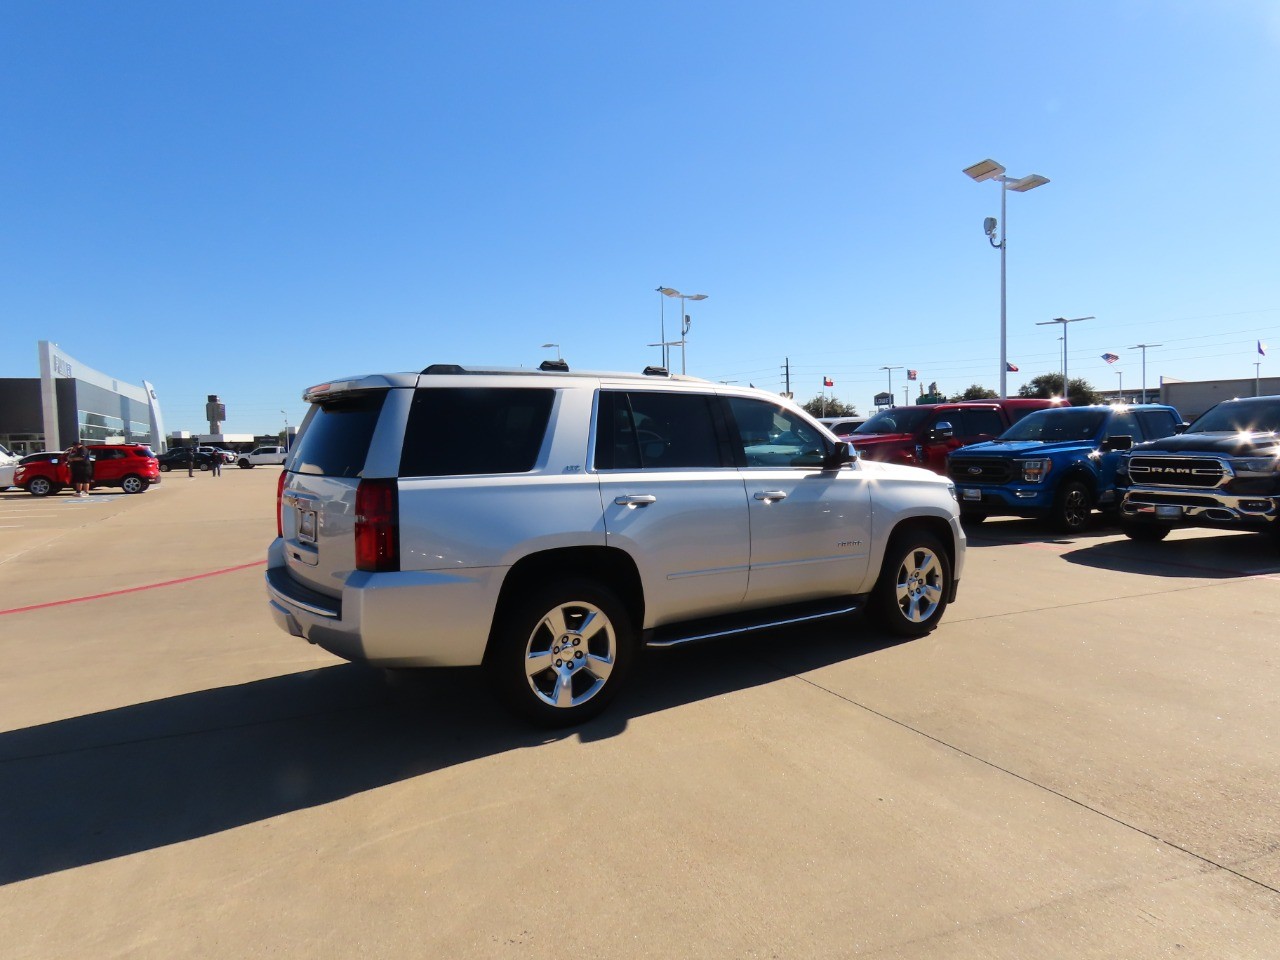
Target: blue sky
246	198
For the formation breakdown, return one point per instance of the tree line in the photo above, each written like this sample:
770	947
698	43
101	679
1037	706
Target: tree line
1044	386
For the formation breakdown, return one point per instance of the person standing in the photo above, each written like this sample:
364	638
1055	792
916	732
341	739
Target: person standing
215	463
81	467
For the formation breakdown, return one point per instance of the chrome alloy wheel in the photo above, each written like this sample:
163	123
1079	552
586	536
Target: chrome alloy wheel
570	654
920	582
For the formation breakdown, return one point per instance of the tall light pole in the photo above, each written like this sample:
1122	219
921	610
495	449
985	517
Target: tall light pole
548	346
990	170
1066	390
1120	388
1257	377
286	430
684	319
891	369
1143	348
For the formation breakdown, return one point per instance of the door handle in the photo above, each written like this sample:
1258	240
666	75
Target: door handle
640	500
768	496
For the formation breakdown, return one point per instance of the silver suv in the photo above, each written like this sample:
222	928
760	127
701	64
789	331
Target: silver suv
547	524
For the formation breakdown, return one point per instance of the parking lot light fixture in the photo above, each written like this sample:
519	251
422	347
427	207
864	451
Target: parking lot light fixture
1143	347
684	320
548	346
1066	390
891	369
990	170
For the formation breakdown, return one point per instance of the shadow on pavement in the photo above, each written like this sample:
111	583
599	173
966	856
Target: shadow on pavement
1225	557
105	785
1001	531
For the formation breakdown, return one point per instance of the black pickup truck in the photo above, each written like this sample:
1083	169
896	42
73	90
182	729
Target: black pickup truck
1222	472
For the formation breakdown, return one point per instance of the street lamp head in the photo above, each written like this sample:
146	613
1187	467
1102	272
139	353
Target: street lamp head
669	291
985	170
1026	183
697	296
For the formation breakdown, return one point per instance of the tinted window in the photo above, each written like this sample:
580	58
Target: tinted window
1157	423
653	431
982	423
1051	426
1123	424
1240	417
337	436
896	420
773	436
466	431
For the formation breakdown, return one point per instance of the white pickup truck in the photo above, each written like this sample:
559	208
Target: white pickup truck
260	456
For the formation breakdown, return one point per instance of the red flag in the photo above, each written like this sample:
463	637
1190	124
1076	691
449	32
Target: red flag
1011	367
828	382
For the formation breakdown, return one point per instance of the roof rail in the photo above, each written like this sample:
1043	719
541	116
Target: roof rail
560	366
657	372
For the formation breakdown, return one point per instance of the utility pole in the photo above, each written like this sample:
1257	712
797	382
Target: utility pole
786	369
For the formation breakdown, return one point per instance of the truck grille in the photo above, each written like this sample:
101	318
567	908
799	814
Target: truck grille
981	471
1176	471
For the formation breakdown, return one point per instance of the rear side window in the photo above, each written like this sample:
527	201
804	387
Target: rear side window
336	439
648	430
983	423
474	430
1157	424
1122	424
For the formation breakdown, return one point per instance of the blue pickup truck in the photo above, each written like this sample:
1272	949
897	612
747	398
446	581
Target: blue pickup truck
1056	465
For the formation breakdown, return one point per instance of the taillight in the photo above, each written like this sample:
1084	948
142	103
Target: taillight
377	526
284	475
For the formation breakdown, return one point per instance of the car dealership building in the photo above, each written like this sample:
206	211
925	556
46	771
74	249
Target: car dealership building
71	401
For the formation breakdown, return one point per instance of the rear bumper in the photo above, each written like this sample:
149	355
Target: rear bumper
403	619
1194	507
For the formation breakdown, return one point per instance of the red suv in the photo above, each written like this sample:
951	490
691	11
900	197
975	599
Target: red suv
924	435
130	466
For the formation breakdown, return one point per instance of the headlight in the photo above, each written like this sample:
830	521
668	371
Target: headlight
1034	471
1255	465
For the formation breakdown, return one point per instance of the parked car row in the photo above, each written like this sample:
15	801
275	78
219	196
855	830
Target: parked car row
130	466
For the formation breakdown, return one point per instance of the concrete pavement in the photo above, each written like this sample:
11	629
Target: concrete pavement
1081	762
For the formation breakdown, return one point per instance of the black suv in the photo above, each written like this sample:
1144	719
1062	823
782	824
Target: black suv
179	457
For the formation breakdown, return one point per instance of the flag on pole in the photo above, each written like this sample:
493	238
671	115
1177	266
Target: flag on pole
911	374
1111	357
1262	348
1011	367
828	382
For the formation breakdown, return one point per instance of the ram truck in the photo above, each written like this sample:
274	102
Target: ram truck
1222	472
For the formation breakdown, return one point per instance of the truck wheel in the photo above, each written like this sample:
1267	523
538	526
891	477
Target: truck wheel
911	595
559	654
1145	532
1072	507
245	465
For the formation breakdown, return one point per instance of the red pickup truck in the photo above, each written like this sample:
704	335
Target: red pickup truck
925	435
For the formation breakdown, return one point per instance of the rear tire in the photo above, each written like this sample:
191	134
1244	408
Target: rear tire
133	484
1144	532
246	465
1072	507
560	653
915	583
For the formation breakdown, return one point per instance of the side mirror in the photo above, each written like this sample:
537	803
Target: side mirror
942	431
840	454
1182	427
1121	441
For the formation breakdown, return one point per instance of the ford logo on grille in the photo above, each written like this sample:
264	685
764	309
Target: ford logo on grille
974	471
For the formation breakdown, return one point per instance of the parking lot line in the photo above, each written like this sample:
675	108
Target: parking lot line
145	586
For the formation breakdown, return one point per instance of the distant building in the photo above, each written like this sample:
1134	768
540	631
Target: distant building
1193	397
71	401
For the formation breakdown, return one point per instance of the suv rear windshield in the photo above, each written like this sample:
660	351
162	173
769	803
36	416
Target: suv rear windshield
337	435
466	431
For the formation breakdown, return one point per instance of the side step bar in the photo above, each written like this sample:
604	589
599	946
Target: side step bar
677	634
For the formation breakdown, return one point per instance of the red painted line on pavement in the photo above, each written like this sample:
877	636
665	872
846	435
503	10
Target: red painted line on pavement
145	586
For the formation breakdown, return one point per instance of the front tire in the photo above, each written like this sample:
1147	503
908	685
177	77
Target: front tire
1072	507
915	582
560	653
133	484
41	487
